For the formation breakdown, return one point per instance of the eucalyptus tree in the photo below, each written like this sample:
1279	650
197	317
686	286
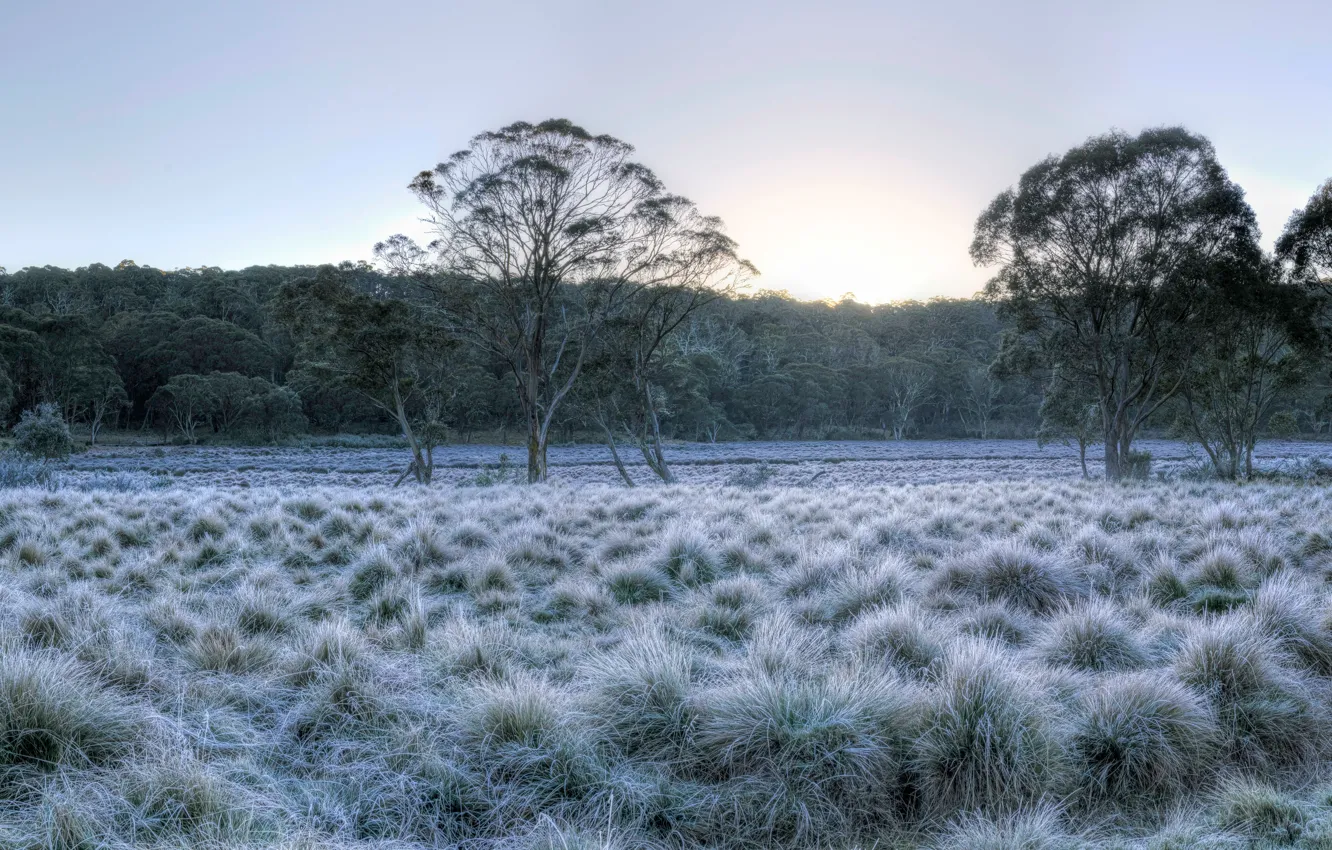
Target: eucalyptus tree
1258	342
543	232
381	348
637	338
1306	243
1069	414
1104	254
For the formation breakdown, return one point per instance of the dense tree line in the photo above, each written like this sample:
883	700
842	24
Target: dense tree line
760	365
569	295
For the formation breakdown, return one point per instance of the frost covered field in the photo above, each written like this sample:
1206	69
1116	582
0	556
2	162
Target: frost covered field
990	665
779	463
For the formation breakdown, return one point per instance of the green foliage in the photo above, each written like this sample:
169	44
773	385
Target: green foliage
42	433
1117	308
1283	424
1306	242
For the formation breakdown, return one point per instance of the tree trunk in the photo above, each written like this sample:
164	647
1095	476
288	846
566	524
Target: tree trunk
1082	456
535	473
420	468
1113	467
653	452
615	453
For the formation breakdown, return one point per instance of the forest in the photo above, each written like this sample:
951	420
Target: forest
104	341
1130	295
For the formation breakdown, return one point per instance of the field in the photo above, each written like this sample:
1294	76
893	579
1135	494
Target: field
821	464
1020	660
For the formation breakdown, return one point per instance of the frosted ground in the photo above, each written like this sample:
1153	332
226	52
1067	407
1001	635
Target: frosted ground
820	464
981	664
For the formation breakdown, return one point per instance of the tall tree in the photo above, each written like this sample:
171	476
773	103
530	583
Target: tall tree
1069	413
1306	243
543	230
381	348
1102	256
1257	342
636	341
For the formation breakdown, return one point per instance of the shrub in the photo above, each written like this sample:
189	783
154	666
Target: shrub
1283	425
42	433
1142	735
988	739
1138	465
18	470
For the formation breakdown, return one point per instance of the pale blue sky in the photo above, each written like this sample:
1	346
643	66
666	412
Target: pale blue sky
848	145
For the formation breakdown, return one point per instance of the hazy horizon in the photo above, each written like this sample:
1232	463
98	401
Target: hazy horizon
848	146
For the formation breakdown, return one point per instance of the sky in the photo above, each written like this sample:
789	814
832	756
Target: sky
849	146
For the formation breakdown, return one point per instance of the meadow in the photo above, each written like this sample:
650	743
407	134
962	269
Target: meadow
825	463
989	665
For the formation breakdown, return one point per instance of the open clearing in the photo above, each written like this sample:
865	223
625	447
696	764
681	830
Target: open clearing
778	463
1041	664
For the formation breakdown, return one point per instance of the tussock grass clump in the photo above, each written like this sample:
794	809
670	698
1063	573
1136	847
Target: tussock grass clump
375	570
327	646
1265	710
224	649
904	638
1260	813
861	588
733	608
1040	828
463	649
577	599
636	584
783	647
829	752
641	695
1093	637
528	734
689	558
177	798
996	621
53	715
1220	579
1141	738
1027	578
1286	609
988	737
